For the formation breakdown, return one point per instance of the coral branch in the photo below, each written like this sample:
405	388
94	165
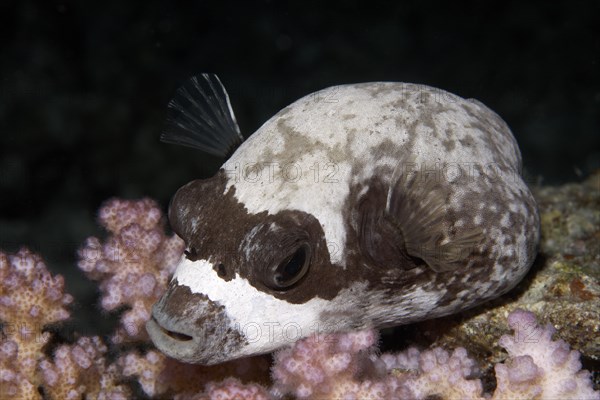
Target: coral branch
30	299
539	367
80	371
231	389
159	375
134	264
346	366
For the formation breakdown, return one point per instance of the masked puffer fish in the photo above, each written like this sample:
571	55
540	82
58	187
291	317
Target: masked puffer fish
361	205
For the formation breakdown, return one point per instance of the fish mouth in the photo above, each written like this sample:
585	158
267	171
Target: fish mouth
181	337
172	343
164	338
187	348
192	328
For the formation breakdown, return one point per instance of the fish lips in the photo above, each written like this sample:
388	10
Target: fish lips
192	328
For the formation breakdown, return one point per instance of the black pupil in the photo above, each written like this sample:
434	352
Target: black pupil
292	267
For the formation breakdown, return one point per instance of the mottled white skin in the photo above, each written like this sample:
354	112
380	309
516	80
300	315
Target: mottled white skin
337	128
349	134
340	127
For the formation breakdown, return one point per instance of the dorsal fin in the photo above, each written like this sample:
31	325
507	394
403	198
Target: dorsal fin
200	116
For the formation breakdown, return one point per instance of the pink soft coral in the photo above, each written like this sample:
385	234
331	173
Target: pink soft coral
81	370
231	389
539	367
346	366
160	376
327	366
30	299
135	263
133	266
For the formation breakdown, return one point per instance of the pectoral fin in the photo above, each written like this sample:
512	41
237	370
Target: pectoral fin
417	206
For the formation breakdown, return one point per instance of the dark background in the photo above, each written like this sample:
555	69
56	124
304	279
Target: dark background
84	88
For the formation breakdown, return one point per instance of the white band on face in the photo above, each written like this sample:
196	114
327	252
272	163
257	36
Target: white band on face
266	322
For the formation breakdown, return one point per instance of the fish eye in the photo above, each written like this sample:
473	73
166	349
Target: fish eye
291	269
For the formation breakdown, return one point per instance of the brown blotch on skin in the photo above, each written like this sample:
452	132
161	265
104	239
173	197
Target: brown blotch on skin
193	319
221	229
181	301
449	143
223	272
467	141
